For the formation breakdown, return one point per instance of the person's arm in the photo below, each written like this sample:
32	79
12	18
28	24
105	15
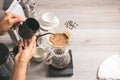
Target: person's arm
8	21
19	72
22	59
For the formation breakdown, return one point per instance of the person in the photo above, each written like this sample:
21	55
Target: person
8	21
23	56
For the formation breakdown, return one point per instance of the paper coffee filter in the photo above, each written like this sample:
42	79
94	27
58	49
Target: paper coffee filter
16	8
66	33
62	29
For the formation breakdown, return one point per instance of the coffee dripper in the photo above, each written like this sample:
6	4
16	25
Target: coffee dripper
58	55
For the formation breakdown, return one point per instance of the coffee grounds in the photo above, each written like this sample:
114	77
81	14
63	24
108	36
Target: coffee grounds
59	39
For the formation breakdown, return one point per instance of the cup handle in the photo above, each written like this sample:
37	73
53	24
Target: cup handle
48	60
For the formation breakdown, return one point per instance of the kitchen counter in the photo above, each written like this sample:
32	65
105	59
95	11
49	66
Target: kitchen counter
96	37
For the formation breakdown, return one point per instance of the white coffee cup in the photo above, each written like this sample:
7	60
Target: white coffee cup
48	18
39	55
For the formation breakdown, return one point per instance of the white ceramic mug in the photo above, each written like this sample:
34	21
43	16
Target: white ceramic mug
39	55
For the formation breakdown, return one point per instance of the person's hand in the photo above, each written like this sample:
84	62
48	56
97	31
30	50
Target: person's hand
23	56
8	21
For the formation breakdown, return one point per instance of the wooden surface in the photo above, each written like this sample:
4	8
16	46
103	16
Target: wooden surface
96	38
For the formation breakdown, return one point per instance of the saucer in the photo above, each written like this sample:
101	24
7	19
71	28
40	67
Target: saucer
48	27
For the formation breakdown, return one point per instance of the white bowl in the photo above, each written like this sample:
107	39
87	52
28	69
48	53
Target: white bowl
39	55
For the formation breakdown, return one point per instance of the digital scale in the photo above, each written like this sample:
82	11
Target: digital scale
67	71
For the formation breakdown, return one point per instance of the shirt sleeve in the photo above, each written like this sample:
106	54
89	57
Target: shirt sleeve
2	12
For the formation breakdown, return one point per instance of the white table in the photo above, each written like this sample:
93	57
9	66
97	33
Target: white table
96	38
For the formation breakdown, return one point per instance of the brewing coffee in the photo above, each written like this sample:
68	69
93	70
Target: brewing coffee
59	39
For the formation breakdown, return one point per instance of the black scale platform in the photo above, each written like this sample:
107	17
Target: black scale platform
68	71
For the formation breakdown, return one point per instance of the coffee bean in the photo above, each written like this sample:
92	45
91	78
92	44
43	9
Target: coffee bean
70	24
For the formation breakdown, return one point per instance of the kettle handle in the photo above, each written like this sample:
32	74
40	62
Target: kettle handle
45	34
